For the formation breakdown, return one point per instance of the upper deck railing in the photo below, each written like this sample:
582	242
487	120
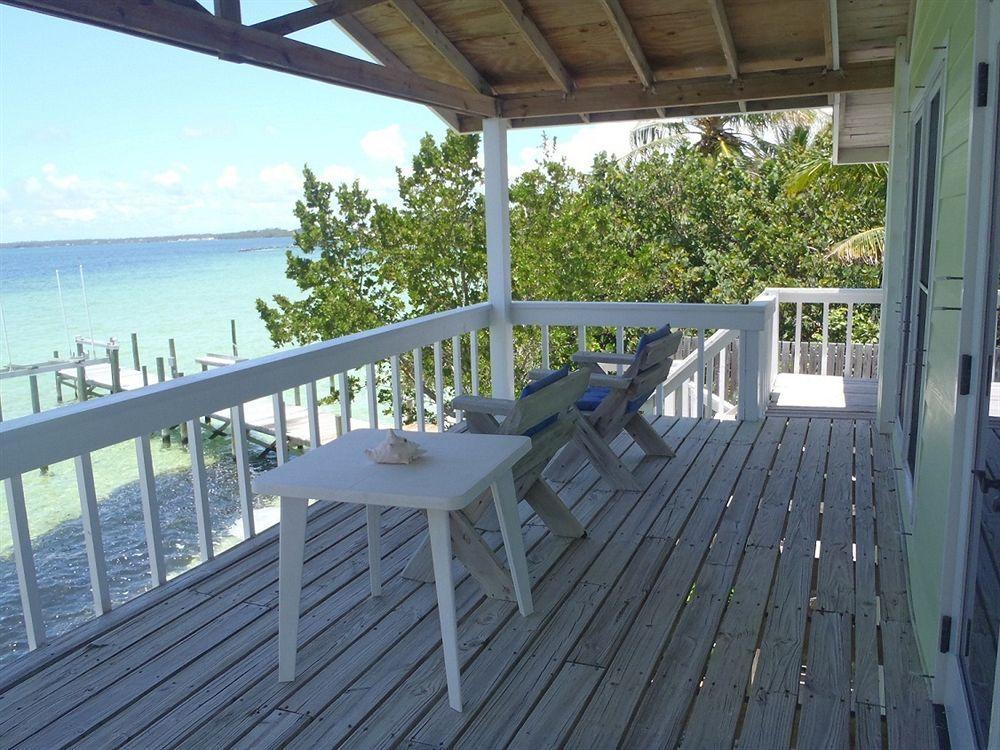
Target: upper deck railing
700	384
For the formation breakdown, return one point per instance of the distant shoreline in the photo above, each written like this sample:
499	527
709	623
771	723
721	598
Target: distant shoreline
246	234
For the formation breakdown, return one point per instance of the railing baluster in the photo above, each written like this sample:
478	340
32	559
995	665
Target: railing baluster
24	562
312	415
344	386
280	428
848	354
474	361
238	426
372	385
545	348
92	534
581	338
722	374
439	386
456	369
200	484
797	354
150	510
679	400
824	348
397	397
700	376
658	404
620	347
418	381
710	387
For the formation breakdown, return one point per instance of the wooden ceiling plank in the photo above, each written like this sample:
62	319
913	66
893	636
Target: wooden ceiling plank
623	28
415	15
700	91
536	40
317	14
170	23
831	33
374	47
718	10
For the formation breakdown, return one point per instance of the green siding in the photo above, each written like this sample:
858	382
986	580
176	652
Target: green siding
941	23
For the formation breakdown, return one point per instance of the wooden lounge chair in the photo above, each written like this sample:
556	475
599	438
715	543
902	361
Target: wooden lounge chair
546	412
612	403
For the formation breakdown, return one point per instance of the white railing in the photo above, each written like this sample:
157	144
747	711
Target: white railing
231	394
76	432
845	356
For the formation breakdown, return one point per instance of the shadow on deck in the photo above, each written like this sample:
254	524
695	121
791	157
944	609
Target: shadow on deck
699	612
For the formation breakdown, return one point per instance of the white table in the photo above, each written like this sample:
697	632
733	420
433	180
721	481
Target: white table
456	469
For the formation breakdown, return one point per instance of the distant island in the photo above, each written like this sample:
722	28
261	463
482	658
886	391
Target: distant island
246	234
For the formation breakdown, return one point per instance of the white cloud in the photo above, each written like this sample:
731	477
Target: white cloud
229	177
32	185
386	144
58	181
271	130
338	173
580	148
75	214
280	175
4	195
167	178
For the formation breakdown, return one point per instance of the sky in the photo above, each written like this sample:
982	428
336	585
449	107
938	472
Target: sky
107	135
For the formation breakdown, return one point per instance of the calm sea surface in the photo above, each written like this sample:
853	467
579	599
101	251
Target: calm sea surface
188	291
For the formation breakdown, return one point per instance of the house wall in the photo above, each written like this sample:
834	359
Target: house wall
940	28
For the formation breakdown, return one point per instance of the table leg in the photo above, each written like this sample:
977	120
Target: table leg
440	535
505	498
374	518
291	549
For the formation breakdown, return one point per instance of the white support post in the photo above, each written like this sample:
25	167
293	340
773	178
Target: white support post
498	256
24	562
546	362
312	414
848	358
825	346
797	354
92	534
371	385
397	397
238	426
199	475
699	378
474	361
439	385
344	387
456	370
150	510
418	381
749	385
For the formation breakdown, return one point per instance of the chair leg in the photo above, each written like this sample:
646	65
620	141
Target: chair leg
647	438
505	497
374	518
604	460
291	549
552	510
566	463
440	537
419	566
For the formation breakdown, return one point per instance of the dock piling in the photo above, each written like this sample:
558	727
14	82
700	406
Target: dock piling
59	395
116	373
135	352
161	376
81	375
232	335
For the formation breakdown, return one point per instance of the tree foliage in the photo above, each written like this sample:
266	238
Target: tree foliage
688	223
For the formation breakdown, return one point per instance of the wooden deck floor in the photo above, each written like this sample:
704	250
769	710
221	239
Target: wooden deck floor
823	396
754	593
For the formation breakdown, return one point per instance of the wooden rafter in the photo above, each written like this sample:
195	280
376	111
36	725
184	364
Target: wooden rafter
228	9
750	86
168	22
533	36
718	10
374	47
831	33
317	14
439	41
623	28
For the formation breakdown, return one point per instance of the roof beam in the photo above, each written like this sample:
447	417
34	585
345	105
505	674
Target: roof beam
229	9
439	41
538	44
174	24
692	92
374	47
623	28
831	33
725	36
317	14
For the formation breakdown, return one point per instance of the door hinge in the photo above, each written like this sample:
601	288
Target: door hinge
944	646
982	84
965	375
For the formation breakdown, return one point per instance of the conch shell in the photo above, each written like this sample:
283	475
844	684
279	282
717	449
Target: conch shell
395	449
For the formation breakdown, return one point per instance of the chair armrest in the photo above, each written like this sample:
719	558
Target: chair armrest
610	381
539	373
483	405
597	358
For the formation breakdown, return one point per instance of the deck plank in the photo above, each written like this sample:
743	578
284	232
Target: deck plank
694	612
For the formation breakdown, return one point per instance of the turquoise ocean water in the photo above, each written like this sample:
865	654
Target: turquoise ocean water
187	290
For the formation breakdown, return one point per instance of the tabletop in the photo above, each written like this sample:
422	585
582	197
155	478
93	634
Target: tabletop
454	471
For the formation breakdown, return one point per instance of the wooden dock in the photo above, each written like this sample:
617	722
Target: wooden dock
724	603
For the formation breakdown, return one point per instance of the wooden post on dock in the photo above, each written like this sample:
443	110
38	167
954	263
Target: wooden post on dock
184	425
116	372
161	377
145	376
172	347
81	376
135	352
232	335
59	396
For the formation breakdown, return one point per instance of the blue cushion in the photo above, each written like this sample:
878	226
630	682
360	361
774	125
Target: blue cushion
592	398
649	338
534	387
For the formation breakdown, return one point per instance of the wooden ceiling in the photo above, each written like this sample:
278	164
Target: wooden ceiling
550	61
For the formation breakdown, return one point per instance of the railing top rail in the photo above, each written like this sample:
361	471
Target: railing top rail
639	314
59	434
840	295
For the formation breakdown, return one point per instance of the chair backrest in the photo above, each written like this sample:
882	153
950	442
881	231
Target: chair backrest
546	401
651	366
